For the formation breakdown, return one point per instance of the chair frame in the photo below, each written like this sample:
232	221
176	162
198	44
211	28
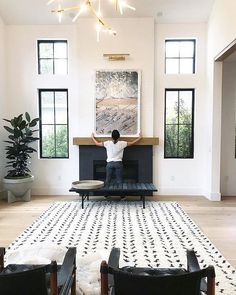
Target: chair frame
63	275
106	269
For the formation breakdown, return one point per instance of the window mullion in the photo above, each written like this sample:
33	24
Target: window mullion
54	109
53	57
178	128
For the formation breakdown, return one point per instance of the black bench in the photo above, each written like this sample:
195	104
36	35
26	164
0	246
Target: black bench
123	189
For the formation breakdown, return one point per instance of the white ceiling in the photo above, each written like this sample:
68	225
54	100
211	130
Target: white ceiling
31	12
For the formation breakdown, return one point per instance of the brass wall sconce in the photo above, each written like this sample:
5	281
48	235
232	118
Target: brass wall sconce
115	56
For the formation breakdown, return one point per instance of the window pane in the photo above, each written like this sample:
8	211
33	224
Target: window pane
61	107
53	57
180	56
187	49
179	123
185	141
60	66
48	141
186	66
172	66
171	141
172	49
45	50
185	107
46	66
60	50
61	141
54	123
172	107
47	107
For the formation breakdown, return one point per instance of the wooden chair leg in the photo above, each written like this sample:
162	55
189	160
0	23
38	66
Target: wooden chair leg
2	252
104	278
211	281
53	279
211	286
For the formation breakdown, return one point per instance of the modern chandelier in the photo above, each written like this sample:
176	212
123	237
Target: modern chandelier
94	6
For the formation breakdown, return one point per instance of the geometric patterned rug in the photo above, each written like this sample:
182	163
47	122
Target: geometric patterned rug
157	236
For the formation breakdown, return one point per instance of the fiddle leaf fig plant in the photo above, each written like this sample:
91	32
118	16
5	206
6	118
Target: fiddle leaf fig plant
21	135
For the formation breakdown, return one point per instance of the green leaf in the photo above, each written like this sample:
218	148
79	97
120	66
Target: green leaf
12	137
9	129
33	122
28	132
17	133
22	125
27	116
18	120
7	120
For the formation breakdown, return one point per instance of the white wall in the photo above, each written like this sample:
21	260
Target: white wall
2	96
228	161
200	175
221	32
181	176
135	36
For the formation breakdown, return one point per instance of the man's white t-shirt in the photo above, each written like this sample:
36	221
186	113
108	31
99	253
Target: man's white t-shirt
115	150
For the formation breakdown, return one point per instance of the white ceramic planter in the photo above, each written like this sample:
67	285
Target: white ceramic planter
18	189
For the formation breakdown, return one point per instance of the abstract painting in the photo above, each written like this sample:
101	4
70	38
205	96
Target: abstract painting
117	99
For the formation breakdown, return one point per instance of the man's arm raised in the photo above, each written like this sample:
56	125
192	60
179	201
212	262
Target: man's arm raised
129	143
95	141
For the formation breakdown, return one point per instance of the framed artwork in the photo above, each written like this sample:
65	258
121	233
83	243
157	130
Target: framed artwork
117	102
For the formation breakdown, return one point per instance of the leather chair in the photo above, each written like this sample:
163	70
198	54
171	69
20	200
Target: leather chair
30	279
156	281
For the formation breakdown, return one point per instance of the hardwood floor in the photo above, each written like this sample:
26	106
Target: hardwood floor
216	219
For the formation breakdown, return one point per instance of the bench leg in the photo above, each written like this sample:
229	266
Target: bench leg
143	199
83	198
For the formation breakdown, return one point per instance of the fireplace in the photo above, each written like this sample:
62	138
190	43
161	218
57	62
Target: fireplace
137	161
130	170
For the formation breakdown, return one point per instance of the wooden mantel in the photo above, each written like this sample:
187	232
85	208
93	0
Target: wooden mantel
89	141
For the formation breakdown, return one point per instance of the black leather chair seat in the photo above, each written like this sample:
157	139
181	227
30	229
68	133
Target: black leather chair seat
144	271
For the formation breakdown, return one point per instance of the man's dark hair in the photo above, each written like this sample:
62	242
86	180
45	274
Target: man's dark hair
115	135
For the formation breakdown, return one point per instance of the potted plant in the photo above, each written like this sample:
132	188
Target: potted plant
18	180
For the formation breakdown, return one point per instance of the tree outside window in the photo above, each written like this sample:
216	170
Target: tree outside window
179	106
53	106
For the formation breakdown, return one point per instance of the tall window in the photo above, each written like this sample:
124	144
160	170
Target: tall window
52	57
53	111
179	118
180	56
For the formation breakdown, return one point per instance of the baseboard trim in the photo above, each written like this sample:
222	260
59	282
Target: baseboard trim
213	196
180	191
51	191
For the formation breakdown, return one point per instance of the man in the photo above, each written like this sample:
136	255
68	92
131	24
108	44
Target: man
115	149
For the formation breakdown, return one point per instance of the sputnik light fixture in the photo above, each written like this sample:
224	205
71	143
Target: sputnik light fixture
102	25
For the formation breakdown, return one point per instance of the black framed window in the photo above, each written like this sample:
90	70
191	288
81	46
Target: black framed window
52	57
180	56
53	112
179	121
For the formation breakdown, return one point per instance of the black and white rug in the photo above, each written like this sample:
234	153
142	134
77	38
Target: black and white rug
157	236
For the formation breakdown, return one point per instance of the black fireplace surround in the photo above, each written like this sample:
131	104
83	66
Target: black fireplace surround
137	161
